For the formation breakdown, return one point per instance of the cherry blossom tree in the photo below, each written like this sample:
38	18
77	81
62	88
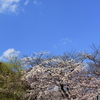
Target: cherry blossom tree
50	77
60	78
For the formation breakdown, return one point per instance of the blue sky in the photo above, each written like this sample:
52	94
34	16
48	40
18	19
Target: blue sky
28	26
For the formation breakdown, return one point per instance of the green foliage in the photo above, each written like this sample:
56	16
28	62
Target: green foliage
11	85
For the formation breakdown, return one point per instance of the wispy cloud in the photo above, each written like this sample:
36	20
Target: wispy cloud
26	2
62	42
9	53
65	40
37	2
9	6
54	46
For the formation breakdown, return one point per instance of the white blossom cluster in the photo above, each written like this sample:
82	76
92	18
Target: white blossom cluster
58	79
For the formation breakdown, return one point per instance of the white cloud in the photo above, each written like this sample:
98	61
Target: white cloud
62	42
65	40
26	2
13	8
10	53
37	3
9	6
55	46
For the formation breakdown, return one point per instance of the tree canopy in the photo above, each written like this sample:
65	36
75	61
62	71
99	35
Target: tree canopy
46	77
